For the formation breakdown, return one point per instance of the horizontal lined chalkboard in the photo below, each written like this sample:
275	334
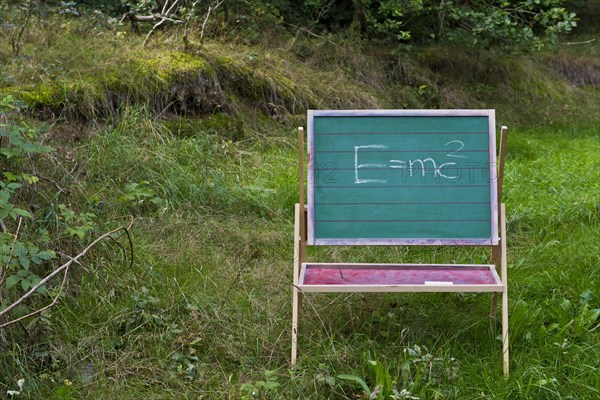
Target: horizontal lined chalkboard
402	177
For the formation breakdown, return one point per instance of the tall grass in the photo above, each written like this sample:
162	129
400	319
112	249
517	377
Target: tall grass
209	315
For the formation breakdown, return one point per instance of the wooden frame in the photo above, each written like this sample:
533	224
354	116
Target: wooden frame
427	286
302	237
492	240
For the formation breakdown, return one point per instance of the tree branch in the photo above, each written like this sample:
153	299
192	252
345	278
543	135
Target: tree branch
163	18
16	41
584	42
63	268
210	9
186	21
40	310
310	33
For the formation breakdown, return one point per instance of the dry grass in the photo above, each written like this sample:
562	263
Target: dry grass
579	71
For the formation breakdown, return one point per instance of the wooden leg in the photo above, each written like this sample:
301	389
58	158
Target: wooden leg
295	312
496	256
493	306
505	334
296	294
504	292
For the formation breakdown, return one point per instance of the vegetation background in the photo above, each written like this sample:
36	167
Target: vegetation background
162	133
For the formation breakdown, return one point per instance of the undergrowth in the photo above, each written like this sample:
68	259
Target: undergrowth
200	150
96	73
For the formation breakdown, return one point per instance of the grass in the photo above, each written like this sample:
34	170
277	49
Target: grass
206	311
210	313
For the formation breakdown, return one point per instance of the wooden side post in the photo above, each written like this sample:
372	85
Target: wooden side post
301	177
295	291
299	247
501	157
504	290
494	305
499	183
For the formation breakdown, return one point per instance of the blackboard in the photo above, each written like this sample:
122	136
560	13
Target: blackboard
402	177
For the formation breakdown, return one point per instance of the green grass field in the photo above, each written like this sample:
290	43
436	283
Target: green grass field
209	314
205	310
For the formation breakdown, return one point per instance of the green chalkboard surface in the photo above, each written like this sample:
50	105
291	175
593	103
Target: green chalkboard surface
402	177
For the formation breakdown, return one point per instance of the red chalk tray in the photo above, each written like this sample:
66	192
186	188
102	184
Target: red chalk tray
331	277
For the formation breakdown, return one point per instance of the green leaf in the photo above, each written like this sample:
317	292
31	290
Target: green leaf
77	231
36	148
34	279
11	177
10	152
7	102
5	249
5	210
42	290
23	273
25	262
355	379
46	255
270	385
30	178
64	392
587	297
20	311
22	212
11	281
25	284
20	250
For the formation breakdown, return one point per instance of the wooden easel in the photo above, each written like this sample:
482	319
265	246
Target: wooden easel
301	266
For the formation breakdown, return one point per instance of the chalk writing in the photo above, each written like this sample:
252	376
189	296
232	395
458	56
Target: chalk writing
329	171
461	144
357	166
413	165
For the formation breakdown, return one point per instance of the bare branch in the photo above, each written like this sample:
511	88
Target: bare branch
40	310
164	9
150	18
130	250
211	8
145	18
170	8
310	33
186	22
584	42
68	257
324	10
16	41
56	272
163	18
159	23
125	16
